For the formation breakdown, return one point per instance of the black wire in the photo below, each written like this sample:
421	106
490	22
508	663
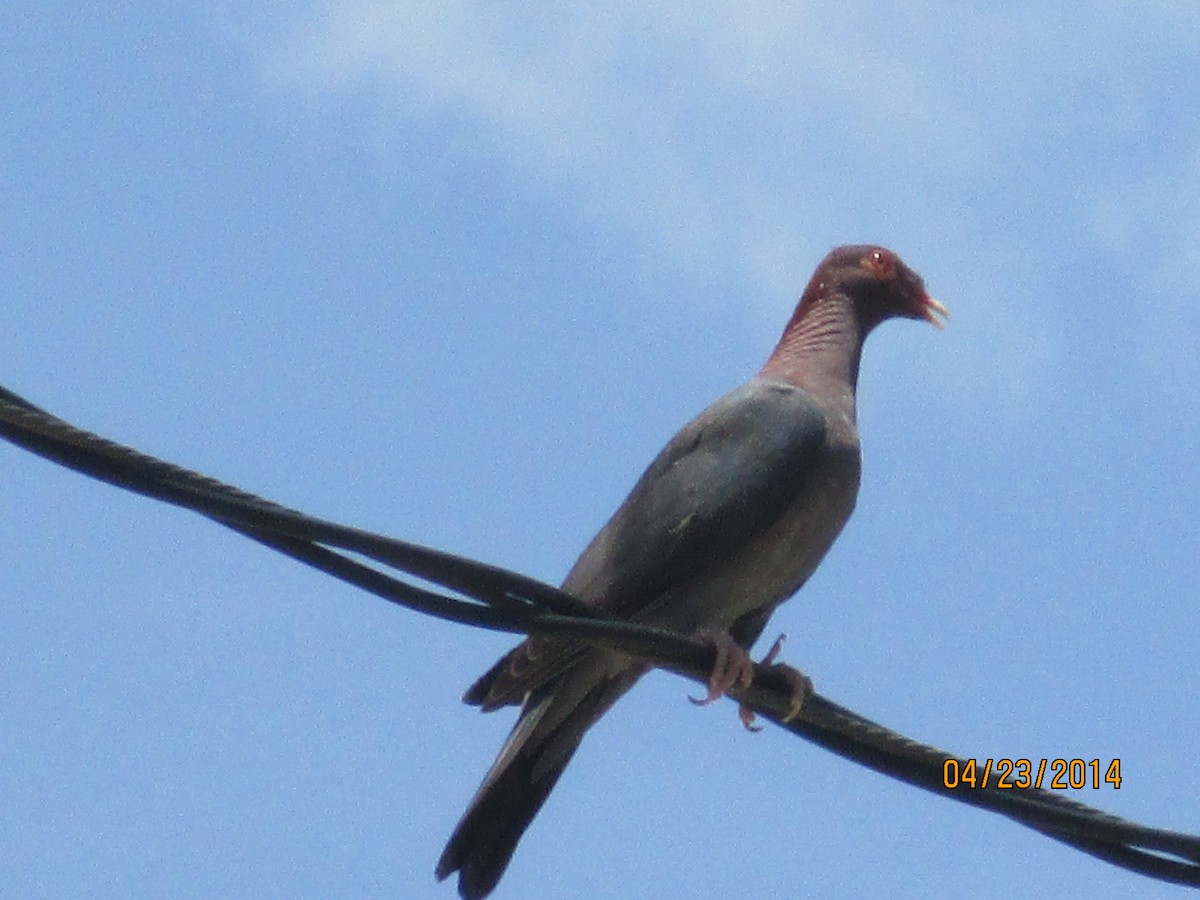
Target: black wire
495	598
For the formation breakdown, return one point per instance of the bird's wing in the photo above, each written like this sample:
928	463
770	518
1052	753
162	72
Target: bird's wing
723	479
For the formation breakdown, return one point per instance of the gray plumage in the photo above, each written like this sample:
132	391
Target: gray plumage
728	521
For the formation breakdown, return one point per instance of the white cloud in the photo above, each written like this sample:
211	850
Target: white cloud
721	132
753	132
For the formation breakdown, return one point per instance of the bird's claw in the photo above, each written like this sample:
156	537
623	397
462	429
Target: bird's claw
733	666
801	687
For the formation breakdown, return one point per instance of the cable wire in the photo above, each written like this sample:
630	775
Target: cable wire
491	597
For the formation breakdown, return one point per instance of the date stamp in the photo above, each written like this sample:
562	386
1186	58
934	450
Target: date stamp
1014	774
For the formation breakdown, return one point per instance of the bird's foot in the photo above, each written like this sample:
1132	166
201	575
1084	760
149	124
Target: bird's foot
733	666
801	687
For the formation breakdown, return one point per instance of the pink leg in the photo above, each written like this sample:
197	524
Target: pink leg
732	667
801	686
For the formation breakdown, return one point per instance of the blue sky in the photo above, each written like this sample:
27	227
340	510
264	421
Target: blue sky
456	274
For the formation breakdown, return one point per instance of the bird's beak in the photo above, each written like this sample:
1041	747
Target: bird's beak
931	310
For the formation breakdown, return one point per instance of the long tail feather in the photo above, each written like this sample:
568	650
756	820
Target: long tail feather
551	726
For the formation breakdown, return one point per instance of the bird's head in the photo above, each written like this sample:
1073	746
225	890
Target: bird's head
878	283
853	290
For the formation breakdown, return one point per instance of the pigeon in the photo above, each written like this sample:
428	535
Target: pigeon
728	521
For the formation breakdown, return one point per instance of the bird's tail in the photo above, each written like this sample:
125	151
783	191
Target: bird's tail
549	729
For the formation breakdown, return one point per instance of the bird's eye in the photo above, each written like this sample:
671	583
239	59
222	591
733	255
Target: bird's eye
880	263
